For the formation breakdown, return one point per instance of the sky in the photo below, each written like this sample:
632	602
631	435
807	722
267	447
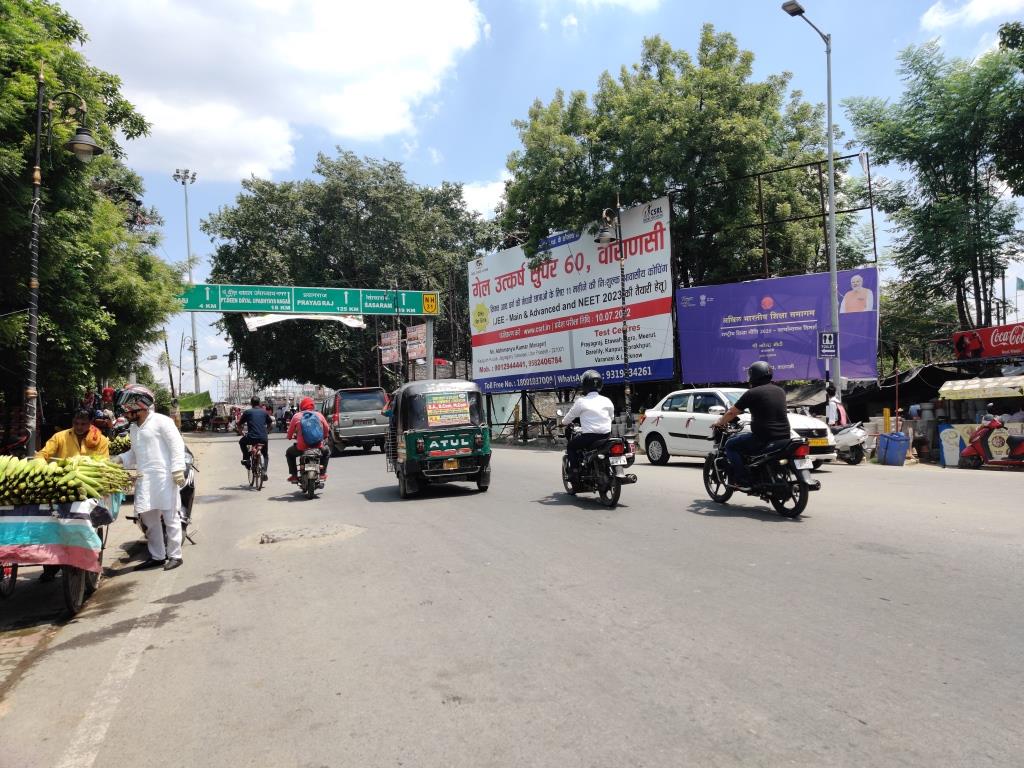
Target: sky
235	88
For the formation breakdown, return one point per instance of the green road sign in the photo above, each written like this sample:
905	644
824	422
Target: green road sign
307	301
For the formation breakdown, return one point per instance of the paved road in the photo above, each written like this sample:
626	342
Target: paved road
525	628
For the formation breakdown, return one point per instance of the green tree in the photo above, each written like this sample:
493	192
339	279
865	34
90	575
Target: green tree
102	289
955	229
363	224
697	126
1009	148
908	323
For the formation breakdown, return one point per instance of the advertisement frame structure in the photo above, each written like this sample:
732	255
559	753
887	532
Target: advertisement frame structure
724	328
538	328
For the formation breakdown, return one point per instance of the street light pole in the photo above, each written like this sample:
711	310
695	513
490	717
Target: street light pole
184	176
794	8
605	237
84	148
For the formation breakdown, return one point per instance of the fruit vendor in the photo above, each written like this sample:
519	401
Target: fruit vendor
83	439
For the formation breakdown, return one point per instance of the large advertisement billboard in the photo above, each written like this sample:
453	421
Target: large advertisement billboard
540	328
1000	341
725	328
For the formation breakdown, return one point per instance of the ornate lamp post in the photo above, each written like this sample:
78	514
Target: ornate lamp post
611	232
185	177
85	148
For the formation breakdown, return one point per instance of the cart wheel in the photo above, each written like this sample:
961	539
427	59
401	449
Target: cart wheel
8	578
73	580
92	580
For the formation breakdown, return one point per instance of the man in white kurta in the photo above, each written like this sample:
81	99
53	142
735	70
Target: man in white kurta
158	455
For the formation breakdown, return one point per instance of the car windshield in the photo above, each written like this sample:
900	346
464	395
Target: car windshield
432	410
351	402
733	396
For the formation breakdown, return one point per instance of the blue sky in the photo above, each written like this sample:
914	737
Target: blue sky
234	87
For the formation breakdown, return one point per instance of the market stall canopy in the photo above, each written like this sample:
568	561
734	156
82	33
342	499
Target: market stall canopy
970	389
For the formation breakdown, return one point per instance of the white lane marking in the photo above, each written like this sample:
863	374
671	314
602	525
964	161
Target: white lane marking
88	737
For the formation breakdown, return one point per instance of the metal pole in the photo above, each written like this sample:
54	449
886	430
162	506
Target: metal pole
625	338
430	348
833	277
170	365
31	362
192	315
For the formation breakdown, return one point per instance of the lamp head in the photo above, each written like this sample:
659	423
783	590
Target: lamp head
606	234
83	145
793	8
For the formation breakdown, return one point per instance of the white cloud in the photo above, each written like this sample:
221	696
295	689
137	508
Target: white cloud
483	196
228	85
987	43
637	6
435	155
570	24
940	16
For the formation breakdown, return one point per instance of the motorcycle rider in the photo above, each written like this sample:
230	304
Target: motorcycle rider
295	432
768	421
258	424
158	454
595	412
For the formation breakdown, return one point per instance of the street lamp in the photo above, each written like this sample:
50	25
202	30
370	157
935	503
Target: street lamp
85	149
181	350
611	232
793	8
184	176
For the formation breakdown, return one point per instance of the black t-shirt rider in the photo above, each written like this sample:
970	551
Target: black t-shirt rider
767	406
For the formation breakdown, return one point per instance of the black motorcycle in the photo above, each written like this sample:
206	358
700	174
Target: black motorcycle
781	473
602	469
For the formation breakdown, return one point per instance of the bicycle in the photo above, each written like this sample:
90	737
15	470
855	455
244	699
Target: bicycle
257	470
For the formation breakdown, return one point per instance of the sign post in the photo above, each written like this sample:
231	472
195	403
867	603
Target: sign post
828	345
288	299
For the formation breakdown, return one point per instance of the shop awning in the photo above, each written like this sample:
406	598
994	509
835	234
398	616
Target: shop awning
969	389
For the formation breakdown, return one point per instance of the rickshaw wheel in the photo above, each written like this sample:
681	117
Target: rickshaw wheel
8	578
403	485
73	580
482	487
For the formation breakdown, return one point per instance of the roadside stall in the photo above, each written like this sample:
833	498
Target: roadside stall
966	403
56	514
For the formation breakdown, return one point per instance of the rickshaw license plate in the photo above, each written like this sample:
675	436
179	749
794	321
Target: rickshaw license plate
451	463
818	442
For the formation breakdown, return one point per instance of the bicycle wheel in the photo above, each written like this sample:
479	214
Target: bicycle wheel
257	469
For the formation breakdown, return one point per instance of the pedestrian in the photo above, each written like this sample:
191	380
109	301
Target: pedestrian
158	456
835	412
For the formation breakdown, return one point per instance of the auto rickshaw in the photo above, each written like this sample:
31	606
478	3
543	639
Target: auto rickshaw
438	433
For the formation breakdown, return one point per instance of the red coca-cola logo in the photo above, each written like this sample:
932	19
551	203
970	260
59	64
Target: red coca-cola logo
1007	336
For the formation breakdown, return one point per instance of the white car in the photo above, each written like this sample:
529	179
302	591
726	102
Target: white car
680	425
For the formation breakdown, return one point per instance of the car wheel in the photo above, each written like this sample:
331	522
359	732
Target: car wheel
657	451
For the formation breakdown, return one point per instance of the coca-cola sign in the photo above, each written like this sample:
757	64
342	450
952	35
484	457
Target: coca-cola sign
1000	341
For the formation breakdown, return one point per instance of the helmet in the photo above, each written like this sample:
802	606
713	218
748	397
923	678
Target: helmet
306	404
759	373
591	381
133	396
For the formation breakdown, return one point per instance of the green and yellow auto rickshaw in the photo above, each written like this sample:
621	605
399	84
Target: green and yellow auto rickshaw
438	433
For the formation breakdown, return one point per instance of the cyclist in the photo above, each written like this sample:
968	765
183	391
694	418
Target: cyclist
768	421
295	432
258	425
595	412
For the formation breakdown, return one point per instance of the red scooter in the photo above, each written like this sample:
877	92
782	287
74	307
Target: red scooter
979	451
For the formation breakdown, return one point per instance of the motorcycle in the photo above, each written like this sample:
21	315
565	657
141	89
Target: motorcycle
850	442
602	469
186	494
781	473
979	451
308	466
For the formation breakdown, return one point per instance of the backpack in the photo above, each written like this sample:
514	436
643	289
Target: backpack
312	429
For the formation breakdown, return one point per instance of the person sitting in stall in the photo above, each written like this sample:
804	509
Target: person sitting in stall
83	439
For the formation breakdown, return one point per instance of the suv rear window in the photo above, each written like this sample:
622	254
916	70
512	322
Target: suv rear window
352	401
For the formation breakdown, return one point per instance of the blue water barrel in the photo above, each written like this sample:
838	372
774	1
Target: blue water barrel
892	449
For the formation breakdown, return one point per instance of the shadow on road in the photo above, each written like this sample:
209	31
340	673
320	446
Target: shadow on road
563	499
388	494
709	508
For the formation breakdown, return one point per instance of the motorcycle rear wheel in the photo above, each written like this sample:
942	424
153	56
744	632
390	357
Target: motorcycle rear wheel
715	482
610	493
795	503
566	482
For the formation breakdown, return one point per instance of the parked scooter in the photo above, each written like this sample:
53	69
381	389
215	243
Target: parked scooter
781	474
978	452
187	495
602	469
308	466
850	442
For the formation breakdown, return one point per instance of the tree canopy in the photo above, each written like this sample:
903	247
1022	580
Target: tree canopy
103	291
362	224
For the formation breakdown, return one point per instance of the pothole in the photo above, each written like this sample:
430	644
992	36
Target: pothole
306	536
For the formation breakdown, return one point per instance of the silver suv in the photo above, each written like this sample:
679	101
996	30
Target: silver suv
355	419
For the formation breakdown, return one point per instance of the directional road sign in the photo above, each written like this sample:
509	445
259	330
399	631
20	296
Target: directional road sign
828	344
305	301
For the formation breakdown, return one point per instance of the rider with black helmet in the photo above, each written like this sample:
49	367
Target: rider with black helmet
768	420
595	412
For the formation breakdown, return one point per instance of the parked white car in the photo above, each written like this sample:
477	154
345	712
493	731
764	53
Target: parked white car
680	425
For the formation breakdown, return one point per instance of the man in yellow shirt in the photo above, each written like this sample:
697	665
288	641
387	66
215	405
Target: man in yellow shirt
82	439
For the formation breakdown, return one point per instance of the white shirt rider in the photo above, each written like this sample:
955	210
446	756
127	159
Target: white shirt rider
595	412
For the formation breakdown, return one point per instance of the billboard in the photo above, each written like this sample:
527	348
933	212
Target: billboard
725	328
540	328
1000	341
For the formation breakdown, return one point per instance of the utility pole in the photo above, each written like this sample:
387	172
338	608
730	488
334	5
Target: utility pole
185	177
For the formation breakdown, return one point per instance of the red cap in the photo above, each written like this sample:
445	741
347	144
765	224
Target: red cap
306	404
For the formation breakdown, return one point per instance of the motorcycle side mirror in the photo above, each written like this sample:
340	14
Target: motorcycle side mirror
559	412
716	410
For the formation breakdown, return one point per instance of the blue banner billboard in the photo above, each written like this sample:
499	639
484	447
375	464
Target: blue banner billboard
725	328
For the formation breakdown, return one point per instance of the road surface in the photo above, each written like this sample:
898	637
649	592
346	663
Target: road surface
522	627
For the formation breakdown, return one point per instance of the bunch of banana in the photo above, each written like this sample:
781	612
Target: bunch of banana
36	481
120	444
